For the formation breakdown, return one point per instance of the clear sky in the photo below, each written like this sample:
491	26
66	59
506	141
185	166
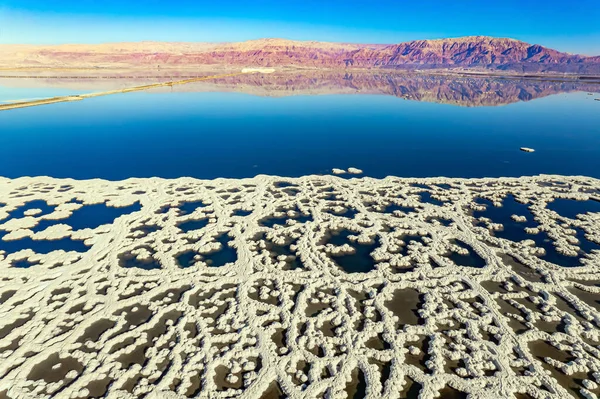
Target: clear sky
572	26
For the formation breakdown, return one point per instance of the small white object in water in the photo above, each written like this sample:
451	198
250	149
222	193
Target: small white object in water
355	171
518	218
526	149
337	171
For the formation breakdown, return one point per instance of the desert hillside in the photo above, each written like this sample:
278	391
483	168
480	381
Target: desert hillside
470	53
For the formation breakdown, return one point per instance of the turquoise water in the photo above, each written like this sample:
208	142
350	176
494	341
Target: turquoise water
10	94
208	135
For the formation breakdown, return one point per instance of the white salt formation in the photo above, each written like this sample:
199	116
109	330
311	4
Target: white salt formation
354	171
301	288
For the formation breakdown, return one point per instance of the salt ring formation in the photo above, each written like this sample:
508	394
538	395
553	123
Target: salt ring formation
311	287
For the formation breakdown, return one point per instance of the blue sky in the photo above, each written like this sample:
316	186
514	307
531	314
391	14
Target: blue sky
572	26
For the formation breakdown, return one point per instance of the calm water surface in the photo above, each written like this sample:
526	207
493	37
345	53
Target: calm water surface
209	135
13	94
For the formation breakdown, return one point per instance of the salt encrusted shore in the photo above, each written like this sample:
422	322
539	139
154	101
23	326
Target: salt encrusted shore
284	318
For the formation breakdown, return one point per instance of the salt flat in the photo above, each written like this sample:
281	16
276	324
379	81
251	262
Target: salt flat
300	287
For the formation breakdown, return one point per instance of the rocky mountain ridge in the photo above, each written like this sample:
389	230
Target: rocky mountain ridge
467	53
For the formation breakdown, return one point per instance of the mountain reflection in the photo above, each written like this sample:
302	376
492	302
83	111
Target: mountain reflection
461	91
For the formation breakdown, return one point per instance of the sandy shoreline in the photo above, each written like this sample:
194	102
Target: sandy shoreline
311	287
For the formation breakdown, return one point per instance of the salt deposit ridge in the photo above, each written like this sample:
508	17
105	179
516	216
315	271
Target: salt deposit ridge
312	287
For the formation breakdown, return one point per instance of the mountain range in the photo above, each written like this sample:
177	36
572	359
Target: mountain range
474	53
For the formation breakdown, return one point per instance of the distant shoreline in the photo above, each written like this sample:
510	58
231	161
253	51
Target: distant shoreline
135	72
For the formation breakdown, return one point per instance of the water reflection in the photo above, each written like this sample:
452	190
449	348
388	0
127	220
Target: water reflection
218	130
462	91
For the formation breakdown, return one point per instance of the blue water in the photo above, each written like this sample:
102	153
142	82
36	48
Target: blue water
515	231
209	135
89	216
9	93
35	204
571	208
41	246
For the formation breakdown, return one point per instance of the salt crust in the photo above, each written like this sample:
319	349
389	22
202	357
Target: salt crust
82	325
354	171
